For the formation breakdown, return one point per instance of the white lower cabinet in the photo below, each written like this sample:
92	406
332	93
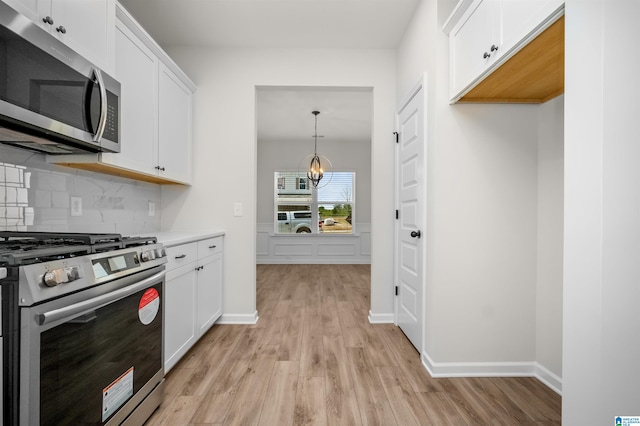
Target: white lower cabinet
179	320
209	284
193	300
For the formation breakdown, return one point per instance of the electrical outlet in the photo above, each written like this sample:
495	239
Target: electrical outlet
76	206
152	208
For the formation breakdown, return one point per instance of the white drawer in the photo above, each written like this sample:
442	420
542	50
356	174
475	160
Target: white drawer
181	255
209	246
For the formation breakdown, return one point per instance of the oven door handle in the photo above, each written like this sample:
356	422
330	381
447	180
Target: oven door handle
97	302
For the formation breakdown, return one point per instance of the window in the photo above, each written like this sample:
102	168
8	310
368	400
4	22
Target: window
300	209
301	183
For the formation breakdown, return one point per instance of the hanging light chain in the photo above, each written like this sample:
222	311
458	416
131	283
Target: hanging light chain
315	172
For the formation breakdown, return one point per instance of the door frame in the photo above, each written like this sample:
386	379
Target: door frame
421	85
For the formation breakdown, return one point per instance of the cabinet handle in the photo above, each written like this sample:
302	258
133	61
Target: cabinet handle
486	55
61	30
47	20
199	268
212	247
182	256
494	47
160	168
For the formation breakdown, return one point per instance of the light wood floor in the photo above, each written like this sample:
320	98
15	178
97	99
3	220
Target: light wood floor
314	359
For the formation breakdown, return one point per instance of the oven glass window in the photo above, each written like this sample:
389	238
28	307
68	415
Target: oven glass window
91	365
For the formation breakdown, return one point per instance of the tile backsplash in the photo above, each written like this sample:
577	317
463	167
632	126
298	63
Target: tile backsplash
37	196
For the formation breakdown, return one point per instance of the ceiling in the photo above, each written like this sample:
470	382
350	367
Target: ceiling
285	113
353	24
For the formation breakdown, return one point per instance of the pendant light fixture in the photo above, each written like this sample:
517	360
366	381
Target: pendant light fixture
315	172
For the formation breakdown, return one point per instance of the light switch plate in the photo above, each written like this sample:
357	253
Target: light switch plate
76	206
237	209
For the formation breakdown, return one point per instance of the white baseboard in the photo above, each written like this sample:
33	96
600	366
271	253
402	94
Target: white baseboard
548	378
312	261
492	369
380	318
238	318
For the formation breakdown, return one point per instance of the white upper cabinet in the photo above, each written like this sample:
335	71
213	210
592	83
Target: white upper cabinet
85	26
476	43
155	110
174	131
483	34
137	72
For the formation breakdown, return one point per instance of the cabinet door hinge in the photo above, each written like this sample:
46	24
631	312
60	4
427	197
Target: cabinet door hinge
396	290
397	136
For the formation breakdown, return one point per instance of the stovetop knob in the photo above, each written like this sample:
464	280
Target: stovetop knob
55	277
49	279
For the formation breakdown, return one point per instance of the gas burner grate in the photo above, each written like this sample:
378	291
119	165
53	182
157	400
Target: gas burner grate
138	241
65	237
21	257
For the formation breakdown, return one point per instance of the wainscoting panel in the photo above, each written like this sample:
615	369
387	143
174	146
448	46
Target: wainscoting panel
309	249
342	249
286	248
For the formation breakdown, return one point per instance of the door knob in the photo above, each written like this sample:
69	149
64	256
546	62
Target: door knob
415	234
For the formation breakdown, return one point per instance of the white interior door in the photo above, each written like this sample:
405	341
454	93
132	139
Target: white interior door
410	238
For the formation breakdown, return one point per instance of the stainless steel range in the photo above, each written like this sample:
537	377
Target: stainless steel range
82	328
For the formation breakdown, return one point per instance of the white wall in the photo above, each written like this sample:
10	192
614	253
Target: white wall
225	160
550	237
601	372
482	217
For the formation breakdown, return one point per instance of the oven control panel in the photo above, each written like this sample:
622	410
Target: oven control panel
111	264
56	278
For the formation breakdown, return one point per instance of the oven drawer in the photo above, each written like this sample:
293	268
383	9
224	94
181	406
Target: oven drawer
209	246
181	255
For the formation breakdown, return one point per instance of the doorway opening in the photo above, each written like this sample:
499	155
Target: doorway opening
285	137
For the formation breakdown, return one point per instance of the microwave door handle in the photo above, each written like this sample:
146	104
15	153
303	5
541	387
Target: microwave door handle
103	106
97	302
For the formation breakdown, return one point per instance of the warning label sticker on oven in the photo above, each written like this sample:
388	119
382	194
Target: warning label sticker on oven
117	393
148	306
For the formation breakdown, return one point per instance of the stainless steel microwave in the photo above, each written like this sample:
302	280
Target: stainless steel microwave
53	100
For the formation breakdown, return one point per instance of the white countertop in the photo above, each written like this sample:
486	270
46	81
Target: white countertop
174	238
